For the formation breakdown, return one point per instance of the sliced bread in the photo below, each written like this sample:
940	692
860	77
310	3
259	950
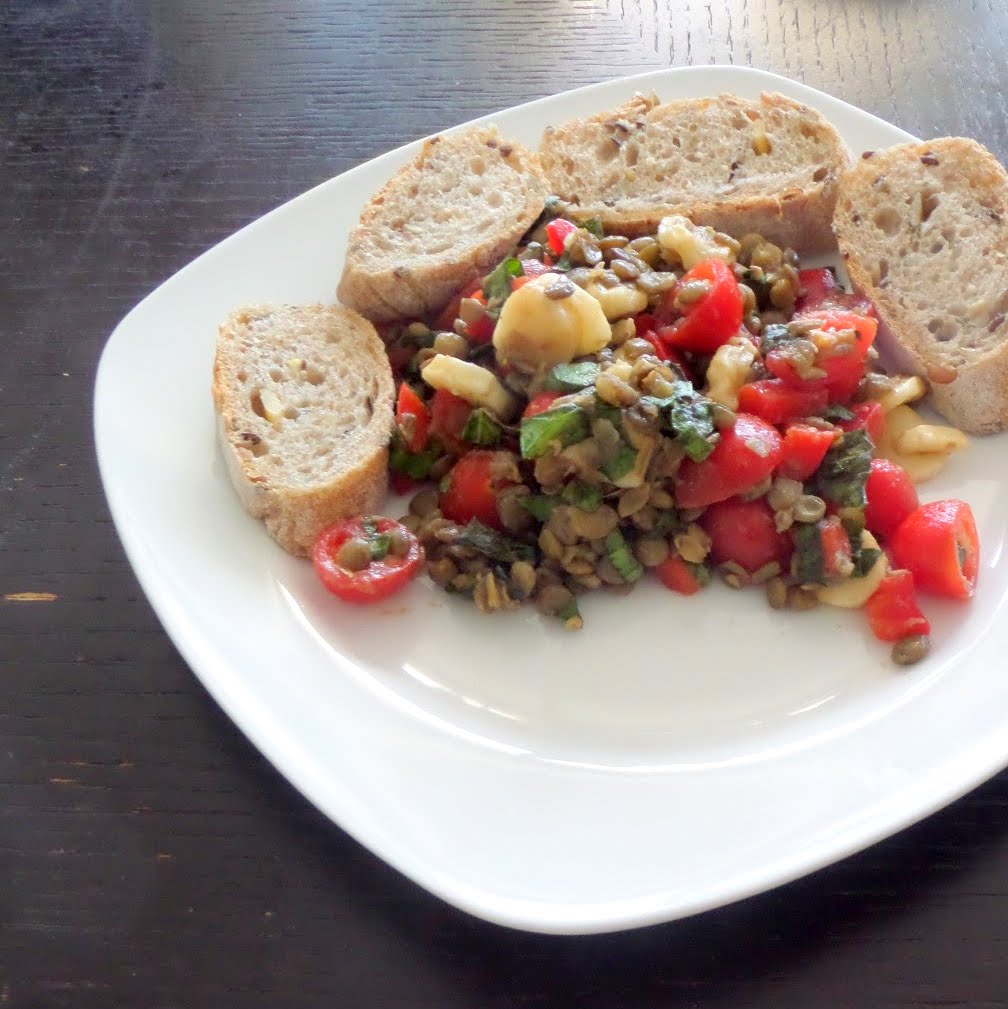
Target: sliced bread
923	231
443	220
739	165
304	408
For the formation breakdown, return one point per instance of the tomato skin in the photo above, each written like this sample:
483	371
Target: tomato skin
472	489
448	416
713	319
776	402
675	574
836	547
939	545
892	610
816	286
381	578
745	532
891	497
541	402
410	405
804	448
556	232
745	455
868	417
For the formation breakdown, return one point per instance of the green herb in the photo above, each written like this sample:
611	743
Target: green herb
775	336
481	428
593	226
758	284
810	565
606	411
700	572
690	417
563	264
622	557
539	506
842	475
417	465
836	412
570	612
572	377
495	545
560	425
862	557
617	468
669	522
582	495
380	545
497	284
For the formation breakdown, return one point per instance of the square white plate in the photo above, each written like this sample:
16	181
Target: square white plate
675	755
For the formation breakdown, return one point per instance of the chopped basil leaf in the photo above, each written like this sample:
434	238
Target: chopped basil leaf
495	545
606	411
622	464
836	412
561	425
582	495
593	226
481	428
864	560
757	283
570	612
380	544
810	565
417	465
669	522
775	336
497	284
539	506
842	475
572	377
563	264
690	417
700	572
622	557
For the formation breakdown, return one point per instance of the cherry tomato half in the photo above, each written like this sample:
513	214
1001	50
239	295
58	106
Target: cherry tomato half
938	544
473	486
892	610
745	532
891	497
712	319
364	560
679	576
804	449
413	418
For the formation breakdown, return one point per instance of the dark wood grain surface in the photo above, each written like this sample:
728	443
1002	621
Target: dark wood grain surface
148	855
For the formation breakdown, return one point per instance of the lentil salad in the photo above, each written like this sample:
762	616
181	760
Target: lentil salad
687	405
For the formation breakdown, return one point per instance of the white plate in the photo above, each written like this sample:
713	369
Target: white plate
675	755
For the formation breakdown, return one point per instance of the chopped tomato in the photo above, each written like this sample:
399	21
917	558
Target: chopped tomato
744	456
448	416
712	319
891	497
645	323
803	450
413	418
938	544
480	331
776	402
868	417
679	575
893	613
541	401
446	317
662	350
556	233
400	483
836	548
364	560
473	486
745	532
843	368
816	286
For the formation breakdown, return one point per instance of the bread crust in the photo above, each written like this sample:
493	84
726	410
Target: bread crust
923	210
620	147
258	342
393	270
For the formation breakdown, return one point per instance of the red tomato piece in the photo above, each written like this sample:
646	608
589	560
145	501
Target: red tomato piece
745	532
869	417
678	575
645	323
713	319
445	319
541	401
385	573
744	456
448	414
776	402
836	548
939	545
662	350
891	497
816	286
413	418
556	233
473	487
893	613
804	449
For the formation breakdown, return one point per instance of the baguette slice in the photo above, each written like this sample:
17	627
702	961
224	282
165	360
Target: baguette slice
440	222
923	231
304	408
736	164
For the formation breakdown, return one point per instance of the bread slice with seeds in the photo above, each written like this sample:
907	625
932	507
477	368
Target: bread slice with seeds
768	165
923	231
443	220
304	409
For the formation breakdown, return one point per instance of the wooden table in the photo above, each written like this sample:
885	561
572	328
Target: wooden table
149	855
